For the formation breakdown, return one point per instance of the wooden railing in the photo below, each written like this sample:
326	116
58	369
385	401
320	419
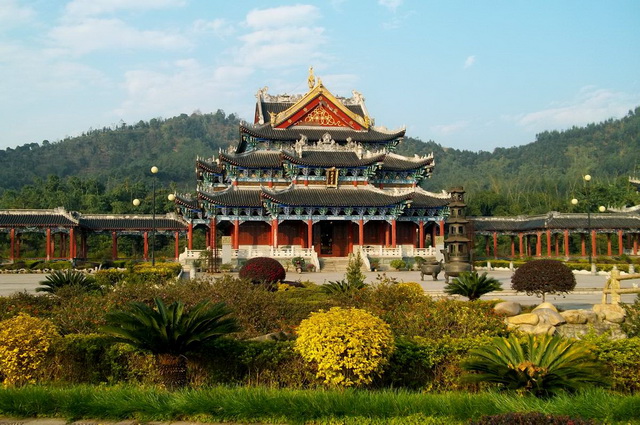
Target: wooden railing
612	286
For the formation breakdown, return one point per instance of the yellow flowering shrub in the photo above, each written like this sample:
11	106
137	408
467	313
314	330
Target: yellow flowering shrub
24	342
347	345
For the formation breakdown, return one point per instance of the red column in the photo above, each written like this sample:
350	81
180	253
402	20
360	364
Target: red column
114	246
583	245
274	230
360	232
145	253
513	246
593	243
47	253
609	244
236	234
72	245
176	242
12	235
421	234
309	234
393	233
441	222
190	236
495	244
387	238
566	242
212	232
620	244
635	244
548	243
538	244
520	245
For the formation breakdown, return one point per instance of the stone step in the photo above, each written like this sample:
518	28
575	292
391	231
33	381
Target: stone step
334	264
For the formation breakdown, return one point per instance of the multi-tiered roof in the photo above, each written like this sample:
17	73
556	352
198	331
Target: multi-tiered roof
314	155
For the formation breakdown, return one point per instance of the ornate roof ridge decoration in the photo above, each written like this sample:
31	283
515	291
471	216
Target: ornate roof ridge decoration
240	159
327	108
210	165
414	158
327	143
442	195
169	215
265	131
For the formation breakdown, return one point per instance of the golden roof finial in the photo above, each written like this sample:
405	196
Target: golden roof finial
312	79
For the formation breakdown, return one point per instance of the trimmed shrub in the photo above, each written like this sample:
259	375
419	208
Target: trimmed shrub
347	346
530	418
263	270
24	342
620	358
398	264
541	277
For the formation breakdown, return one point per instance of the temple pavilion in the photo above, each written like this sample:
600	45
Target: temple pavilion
313	176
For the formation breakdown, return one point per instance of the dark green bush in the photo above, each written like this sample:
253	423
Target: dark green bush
541	277
620	358
530	418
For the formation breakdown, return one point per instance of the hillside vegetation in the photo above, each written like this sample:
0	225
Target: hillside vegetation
103	170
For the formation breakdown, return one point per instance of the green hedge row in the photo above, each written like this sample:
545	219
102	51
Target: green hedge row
417	364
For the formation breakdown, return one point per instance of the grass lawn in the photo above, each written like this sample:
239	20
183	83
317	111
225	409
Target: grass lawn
247	405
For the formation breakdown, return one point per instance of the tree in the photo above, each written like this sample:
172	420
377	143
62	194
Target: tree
541	277
354	275
538	364
472	286
169	332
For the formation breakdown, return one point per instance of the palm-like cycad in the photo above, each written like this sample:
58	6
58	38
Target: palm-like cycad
169	332
541	365
342	287
472	285
64	278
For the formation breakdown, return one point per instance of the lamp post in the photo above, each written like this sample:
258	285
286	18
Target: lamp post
601	208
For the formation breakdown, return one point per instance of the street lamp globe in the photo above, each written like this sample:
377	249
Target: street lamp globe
154	170
587	178
602	208
171	197
136	202
574	201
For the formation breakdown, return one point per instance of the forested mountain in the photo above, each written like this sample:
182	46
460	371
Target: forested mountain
102	170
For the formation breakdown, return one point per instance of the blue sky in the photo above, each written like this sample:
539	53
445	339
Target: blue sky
470	75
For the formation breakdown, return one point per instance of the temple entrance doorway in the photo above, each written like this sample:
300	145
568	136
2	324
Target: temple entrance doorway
331	238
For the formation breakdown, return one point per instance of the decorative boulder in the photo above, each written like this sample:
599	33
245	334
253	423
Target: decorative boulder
546	305
524	319
575	317
549	316
610	312
508	308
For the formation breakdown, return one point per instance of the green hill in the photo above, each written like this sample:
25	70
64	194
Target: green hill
101	170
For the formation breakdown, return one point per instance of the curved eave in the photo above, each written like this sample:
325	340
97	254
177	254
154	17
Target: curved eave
254	159
209	167
265	132
341	197
328	159
233	198
191	204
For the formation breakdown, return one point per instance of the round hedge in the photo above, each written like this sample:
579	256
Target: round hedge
542	277
263	270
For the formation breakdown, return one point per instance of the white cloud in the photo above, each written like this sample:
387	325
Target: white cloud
96	34
13	14
469	61
220	27
390	4
590	105
85	8
447	129
300	14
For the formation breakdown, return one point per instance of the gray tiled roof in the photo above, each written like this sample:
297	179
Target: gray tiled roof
208	166
233	197
555	220
34	219
340	135
331	159
339	197
254	159
394	163
424	200
139	222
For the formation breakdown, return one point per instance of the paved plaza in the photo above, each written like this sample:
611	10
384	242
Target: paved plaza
588	289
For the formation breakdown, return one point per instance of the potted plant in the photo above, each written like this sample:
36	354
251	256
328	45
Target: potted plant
375	263
298	263
419	261
311	268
